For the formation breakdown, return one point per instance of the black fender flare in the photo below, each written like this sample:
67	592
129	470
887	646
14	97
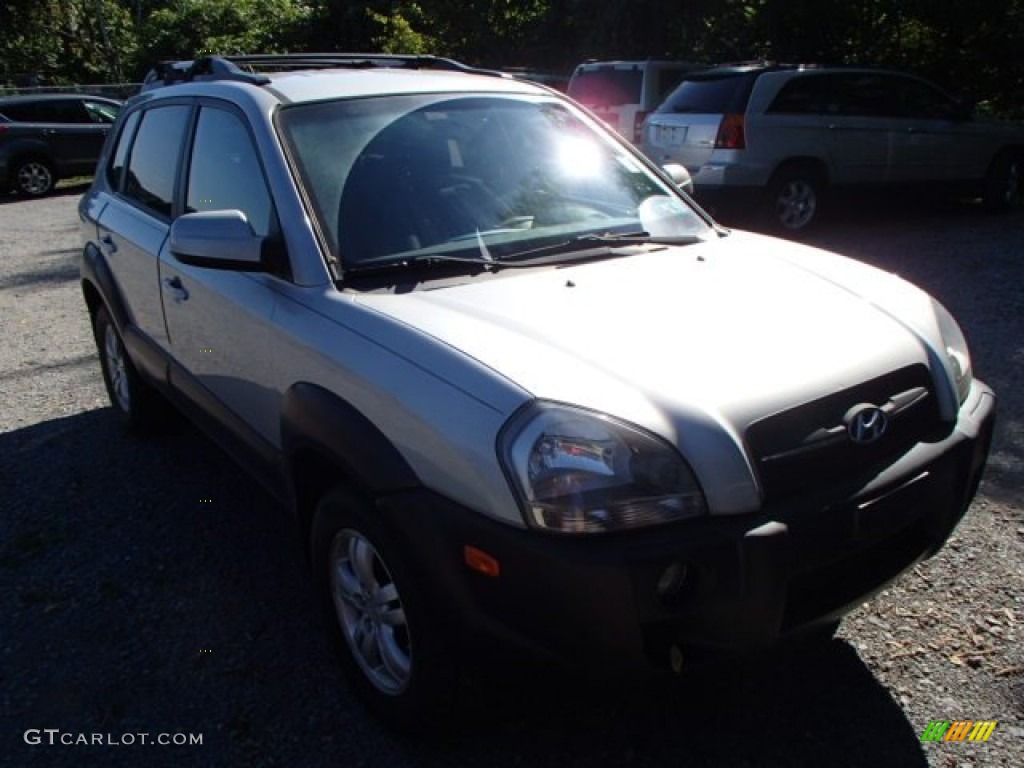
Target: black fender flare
96	272
318	422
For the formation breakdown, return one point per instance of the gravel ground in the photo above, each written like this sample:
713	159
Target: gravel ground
149	587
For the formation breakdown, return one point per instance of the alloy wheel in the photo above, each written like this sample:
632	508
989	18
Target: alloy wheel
370	612
113	358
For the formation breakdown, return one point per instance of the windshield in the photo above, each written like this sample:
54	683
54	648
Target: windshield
399	178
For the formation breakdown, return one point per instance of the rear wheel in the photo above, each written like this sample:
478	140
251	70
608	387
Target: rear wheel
389	639
794	198
1003	183
138	405
34	177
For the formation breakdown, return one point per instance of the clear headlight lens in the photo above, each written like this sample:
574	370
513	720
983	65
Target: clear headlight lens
956	351
575	471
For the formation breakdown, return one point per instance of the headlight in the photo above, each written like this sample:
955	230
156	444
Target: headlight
956	351
576	471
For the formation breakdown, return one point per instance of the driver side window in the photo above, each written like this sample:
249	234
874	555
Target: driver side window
225	172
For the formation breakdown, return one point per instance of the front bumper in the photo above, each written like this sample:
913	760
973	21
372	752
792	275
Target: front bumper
749	579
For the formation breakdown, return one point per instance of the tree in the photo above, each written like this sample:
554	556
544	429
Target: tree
66	40
192	28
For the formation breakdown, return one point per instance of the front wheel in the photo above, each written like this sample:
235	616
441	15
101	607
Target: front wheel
389	640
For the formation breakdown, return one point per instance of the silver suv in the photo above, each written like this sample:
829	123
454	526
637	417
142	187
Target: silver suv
514	389
782	137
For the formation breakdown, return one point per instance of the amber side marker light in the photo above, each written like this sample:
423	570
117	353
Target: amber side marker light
481	562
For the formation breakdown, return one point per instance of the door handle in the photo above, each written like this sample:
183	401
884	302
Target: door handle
178	291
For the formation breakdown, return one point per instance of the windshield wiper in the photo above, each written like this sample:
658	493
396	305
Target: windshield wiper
584	245
581	247
429	260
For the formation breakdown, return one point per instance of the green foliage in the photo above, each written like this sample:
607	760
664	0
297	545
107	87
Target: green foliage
969	46
191	28
62	41
397	31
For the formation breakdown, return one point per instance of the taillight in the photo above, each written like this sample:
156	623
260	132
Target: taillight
638	125
731	134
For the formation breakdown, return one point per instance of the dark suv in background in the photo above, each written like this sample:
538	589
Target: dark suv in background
788	134
44	138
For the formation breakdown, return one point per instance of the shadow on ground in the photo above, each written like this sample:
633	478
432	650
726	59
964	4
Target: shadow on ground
148	587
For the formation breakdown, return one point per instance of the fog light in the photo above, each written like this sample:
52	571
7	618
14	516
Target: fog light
675	658
671	581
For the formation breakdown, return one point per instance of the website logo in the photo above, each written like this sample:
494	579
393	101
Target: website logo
959	730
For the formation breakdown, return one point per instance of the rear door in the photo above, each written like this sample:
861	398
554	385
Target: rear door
859	115
74	138
134	224
936	142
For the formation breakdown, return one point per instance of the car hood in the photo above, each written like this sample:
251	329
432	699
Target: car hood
688	342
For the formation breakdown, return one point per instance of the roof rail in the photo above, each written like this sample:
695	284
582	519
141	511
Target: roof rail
246	68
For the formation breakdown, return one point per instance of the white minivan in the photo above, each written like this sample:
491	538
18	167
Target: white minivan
623	93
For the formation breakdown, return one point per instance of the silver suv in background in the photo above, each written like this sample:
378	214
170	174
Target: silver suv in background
624	93
782	136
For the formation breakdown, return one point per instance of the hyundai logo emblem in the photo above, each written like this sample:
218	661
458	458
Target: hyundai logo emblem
866	423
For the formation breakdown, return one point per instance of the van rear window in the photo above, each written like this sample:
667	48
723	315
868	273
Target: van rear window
706	95
606	87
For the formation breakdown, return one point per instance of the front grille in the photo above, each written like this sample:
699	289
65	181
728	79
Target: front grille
809	446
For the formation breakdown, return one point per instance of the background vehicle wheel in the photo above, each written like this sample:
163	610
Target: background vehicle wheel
794	198
1003	183
34	177
389	639
139	407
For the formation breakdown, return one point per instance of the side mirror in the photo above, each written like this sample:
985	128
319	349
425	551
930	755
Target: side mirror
217	240
680	176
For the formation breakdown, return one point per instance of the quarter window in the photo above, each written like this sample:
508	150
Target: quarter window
225	172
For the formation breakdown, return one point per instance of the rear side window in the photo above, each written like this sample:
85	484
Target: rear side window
709	95
14	112
61	111
115	171
801	96
153	161
863	94
606	87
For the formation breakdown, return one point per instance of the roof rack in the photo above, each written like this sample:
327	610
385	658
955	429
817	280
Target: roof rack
243	68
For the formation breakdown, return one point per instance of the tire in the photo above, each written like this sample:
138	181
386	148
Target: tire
1003	182
388	638
794	200
34	177
139	407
